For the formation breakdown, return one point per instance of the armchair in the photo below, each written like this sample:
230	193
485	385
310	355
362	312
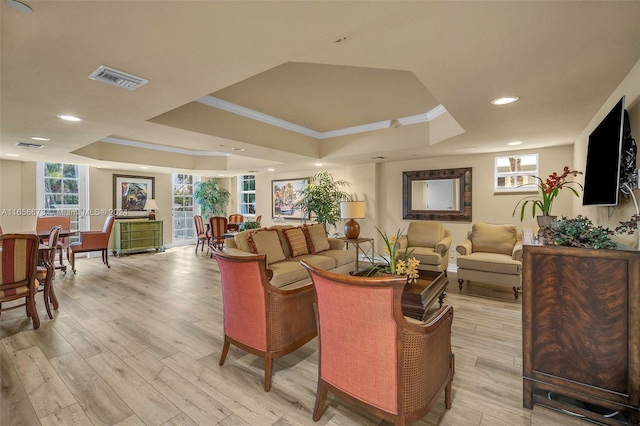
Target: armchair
430	242
491	254
371	355
93	241
18	261
259	318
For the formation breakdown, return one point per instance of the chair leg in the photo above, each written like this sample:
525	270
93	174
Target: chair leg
447	395
73	262
47	297
105	257
225	350
197	244
460	282
33	312
268	368
321	397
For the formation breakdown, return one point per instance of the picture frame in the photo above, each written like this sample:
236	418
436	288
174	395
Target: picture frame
130	194
285	196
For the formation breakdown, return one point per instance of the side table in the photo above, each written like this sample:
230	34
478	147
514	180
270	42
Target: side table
356	242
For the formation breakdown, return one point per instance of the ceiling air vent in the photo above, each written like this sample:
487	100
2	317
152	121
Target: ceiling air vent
117	78
29	145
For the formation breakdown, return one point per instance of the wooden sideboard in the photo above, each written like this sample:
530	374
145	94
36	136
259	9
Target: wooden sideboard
581	332
134	236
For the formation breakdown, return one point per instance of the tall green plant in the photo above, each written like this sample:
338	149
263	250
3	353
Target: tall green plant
213	199
321	196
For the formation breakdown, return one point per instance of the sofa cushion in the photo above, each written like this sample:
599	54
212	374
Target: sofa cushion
341	257
297	241
316	238
266	241
490	262
283	240
426	255
287	272
490	238
242	241
425	234
325	263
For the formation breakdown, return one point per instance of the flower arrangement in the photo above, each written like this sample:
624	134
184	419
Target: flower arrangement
404	266
549	190
577	232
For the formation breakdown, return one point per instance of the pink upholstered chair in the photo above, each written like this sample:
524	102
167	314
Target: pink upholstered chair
371	355
18	261
45	223
201	234
259	318
93	241
218	226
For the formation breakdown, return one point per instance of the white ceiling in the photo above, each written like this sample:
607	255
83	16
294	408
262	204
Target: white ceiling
321	65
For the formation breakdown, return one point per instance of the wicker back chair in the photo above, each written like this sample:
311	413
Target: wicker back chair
371	355
259	318
45	273
18	261
234	222
202	235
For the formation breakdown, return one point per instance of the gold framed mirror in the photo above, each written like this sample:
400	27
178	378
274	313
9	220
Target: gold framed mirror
443	194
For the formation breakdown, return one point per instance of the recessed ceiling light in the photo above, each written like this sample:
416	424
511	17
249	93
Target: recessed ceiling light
514	143
505	100
318	164
13	155
271	170
143	167
20	7
237	149
69	117
221	175
39	138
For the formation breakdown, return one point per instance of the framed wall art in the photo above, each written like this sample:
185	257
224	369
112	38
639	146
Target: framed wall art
285	197
130	194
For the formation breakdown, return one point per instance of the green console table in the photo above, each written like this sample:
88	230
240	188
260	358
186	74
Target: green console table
134	236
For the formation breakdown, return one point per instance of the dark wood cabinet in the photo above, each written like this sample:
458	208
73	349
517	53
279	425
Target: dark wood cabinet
581	332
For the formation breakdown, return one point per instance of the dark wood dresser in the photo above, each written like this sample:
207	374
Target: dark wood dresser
581	331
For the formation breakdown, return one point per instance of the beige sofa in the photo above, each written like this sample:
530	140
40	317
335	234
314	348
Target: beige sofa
429	242
491	254
285	246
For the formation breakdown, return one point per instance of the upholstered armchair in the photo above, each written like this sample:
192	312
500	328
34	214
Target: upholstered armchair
491	254
374	357
202	236
18	261
45	223
259	318
430	242
93	241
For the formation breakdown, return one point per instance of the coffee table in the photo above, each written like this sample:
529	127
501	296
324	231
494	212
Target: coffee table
418	297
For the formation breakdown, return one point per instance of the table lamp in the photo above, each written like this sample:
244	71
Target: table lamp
352	210
151	206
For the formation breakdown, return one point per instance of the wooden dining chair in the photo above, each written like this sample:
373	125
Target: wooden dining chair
45	223
218	227
234	222
18	261
202	235
45	272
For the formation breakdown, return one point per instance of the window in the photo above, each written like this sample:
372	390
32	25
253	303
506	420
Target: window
61	190
183	207
516	173
248	195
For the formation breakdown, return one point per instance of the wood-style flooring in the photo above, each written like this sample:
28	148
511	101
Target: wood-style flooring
139	344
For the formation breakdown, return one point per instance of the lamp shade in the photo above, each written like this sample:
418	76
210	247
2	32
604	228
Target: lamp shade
151	204
352	209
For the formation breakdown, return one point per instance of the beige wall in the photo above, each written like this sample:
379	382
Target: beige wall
611	216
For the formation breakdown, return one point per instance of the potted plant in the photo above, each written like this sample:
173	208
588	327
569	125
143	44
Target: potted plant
549	190
212	198
576	232
321	195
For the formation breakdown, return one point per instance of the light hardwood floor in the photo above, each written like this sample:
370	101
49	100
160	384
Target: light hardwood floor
139	344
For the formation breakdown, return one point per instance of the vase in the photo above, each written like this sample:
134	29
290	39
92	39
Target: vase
545	220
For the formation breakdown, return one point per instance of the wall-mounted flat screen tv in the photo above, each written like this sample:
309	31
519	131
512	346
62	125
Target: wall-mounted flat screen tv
602	173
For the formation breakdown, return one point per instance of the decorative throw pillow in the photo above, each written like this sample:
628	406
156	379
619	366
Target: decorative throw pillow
316	238
266	241
297	241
